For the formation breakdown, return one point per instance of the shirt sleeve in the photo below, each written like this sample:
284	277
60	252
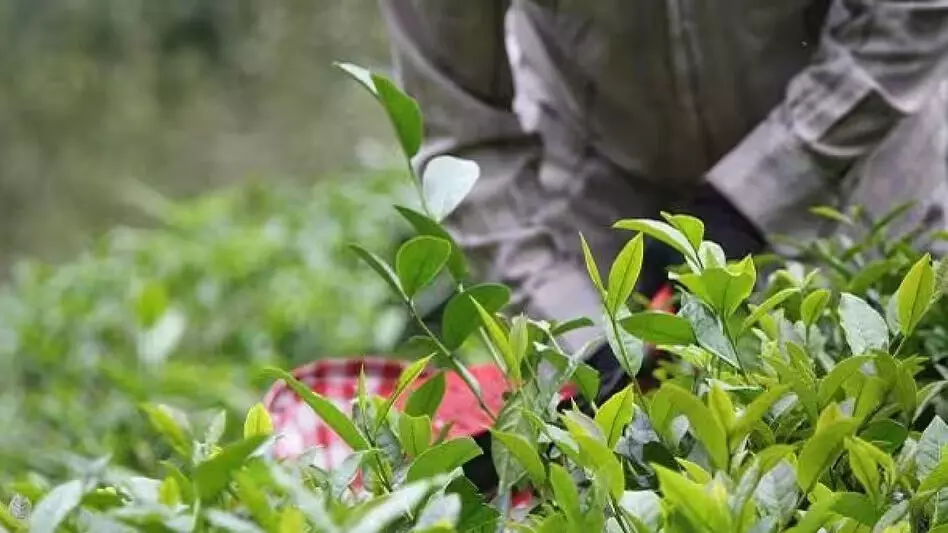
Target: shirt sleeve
879	61
451	57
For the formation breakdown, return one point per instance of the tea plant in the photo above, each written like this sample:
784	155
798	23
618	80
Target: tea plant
793	409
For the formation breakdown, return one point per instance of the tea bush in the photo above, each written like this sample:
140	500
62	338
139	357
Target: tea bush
184	311
796	408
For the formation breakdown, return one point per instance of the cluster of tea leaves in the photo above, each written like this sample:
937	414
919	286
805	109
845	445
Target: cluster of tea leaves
797	408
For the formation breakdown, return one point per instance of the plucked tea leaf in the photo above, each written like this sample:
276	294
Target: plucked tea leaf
864	328
419	261
624	274
446	181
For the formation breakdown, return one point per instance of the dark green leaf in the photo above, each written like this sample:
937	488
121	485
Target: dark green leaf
325	409
425	400
624	274
869	275
424	225
443	458
657	327
864	328
404	113
563	328
886	434
446	181
419	261
461	317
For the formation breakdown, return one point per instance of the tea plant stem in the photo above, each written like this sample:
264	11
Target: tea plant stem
617	511
453	361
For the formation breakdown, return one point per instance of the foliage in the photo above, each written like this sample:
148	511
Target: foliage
250	276
784	410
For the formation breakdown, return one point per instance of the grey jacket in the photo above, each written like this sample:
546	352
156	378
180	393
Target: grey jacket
781	104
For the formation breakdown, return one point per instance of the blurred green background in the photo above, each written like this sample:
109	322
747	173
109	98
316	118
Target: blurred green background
180	95
179	181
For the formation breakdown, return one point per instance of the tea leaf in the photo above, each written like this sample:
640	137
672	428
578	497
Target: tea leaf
257	422
443	458
822	449
525	453
937	479
706	427
446	181
838	375
162	421
695	503
869	275
709	331
414	433
721	406
345	473
392	507
756	411
325	409
212	476
500	341
564	490
858	507
663	232
615	415
58	504
830	213
419	261
591	268
603	462
629	349
425	400
915	294
813	306
886	434
864	329
657	327
460	317
381	268
408	376
815	515
404	113
424	225
864	461
439	514
563	328
624	274
930	447
692	228
767	306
